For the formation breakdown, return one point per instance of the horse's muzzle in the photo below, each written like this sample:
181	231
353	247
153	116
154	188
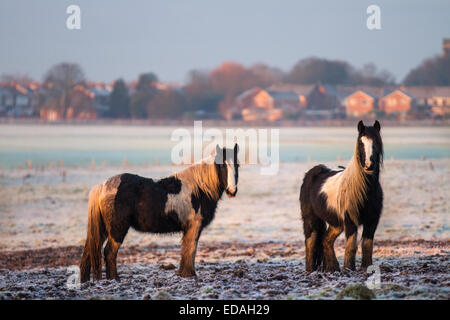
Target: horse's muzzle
231	194
369	169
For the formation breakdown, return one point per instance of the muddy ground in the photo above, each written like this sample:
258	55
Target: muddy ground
408	270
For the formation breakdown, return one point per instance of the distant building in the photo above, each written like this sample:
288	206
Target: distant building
315	101
259	104
100	94
302	91
397	102
287	101
440	101
435	100
360	103
324	102
17	100
446	47
6	100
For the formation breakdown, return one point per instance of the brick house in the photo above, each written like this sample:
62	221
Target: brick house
16	99
397	102
246	98
259	104
315	101
302	91
360	103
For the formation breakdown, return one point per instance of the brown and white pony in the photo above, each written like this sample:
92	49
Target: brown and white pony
344	199
184	202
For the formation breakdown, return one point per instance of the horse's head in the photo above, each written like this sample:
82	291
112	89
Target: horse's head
226	161
370	146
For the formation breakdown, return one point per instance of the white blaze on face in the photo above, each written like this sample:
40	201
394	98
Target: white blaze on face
231	177
367	150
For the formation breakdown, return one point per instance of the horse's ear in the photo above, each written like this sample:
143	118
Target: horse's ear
361	126
236	148
377	125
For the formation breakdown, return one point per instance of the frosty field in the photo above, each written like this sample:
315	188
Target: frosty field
253	249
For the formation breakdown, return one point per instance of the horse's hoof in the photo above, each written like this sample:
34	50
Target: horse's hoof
310	270
363	268
331	269
187	274
348	272
349	268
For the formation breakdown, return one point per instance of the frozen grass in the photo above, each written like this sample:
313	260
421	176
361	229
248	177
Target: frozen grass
237	271
38	209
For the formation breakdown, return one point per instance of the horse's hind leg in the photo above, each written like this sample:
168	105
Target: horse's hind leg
110	252
115	240
96	259
189	245
313	228
85	265
330	261
321	228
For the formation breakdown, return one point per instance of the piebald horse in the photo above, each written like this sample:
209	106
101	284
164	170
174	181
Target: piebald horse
184	202
344	199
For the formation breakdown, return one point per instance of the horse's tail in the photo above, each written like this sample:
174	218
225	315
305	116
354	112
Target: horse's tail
92	256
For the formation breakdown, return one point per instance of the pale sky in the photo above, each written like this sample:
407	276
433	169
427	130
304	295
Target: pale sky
125	38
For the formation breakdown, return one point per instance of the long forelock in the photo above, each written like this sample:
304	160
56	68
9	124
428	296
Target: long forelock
201	177
346	191
353	187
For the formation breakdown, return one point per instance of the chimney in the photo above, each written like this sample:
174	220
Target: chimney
446	47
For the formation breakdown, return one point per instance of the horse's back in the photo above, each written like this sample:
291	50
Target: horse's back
141	202
312	177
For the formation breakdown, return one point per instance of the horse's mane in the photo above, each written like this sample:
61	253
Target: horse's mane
347	189
201	177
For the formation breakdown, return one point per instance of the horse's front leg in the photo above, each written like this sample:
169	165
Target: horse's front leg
331	264
367	249
189	245
351	235
367	242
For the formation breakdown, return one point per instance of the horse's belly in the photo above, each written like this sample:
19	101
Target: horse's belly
157	222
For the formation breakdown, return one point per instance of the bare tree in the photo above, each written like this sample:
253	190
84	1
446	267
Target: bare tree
370	75
62	78
433	71
313	70
145	92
